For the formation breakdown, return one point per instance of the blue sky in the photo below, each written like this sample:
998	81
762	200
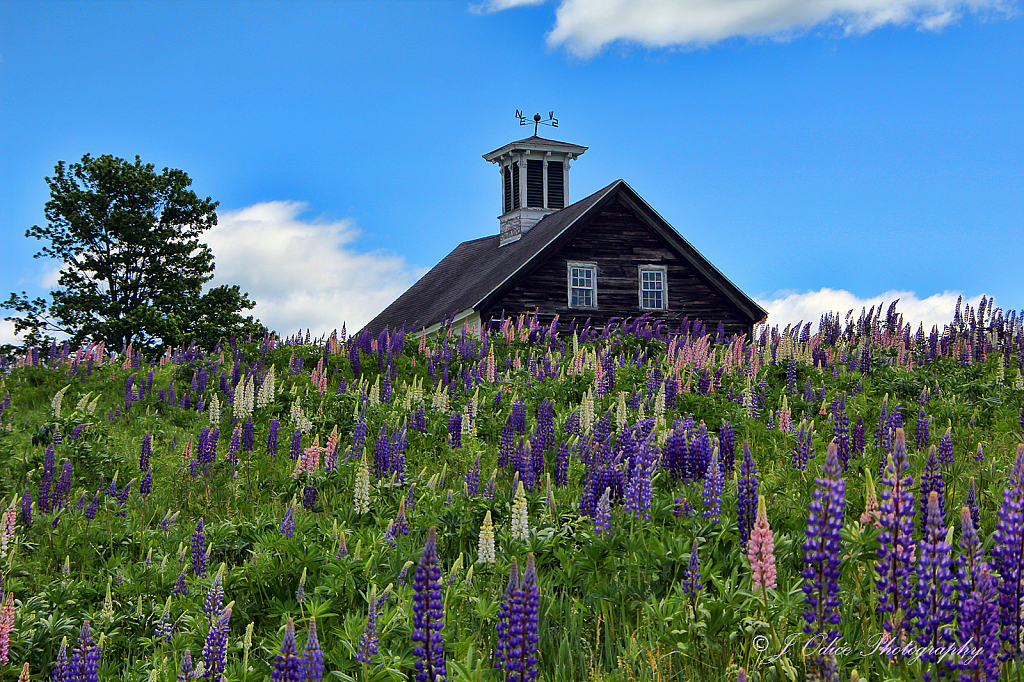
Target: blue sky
822	153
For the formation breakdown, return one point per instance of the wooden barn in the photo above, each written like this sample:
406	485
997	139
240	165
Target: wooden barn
608	255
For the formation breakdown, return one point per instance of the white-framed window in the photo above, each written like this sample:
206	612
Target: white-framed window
582	285
653	287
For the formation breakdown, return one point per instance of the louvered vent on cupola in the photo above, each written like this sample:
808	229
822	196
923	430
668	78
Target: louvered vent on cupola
534	182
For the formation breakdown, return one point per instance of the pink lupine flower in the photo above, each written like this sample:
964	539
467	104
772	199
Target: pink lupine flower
6	625
761	551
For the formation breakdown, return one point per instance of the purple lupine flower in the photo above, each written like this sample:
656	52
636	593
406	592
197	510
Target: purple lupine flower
272	439
682	507
823	548
296	446
215	649
289	665
147	483
382	453
746	496
562	465
1008	556
165	628
802	450
287	526
214	603
312	654
713	490
144	452
603	514
971	502
401	523
841	431
691	583
185	672
507	642
922	439
199	550
933	610
248	435
369	641
85	659
471	487
428	615
931	480
857	438
410	497
90	511
455	430
25	518
978	628
309	497
234	444
517	418
62	489
122	497
946	447
727	446
895	556
521	633
62	668
969	562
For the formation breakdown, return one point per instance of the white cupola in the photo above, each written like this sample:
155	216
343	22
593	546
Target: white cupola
534	181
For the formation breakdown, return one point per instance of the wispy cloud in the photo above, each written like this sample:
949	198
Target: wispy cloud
584	27
787	307
488	6
304	273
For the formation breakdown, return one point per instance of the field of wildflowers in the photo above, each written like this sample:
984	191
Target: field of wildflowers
636	502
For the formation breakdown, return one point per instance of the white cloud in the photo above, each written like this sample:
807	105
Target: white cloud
303	274
7	333
498	5
786	307
584	27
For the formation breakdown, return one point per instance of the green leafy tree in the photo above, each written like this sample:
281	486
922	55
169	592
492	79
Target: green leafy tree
133	263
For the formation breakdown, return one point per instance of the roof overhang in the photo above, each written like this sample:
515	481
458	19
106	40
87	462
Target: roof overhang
538	144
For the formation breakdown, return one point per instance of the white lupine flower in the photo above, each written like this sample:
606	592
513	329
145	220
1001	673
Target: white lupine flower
267	389
83	404
92	405
621	416
520	521
485	547
362	491
587	412
58	398
214	409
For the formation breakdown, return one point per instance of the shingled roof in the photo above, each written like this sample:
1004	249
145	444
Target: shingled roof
478	271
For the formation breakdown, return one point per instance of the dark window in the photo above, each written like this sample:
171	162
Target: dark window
515	184
535	183
556	185
507	187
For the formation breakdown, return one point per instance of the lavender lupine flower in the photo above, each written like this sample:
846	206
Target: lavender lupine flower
933	610
804	443
428	615
931	480
296	445
147	483
90	511
1008	556
746	497
62	489
857	438
978	628
248	435
214	603
289	665
841	429
713	490
287	527
122	497
727	446
312	654
164	628
691	583
822	549
369	640
199	550
946	447
895	556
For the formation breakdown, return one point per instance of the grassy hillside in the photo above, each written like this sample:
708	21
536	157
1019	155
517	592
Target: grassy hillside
208	501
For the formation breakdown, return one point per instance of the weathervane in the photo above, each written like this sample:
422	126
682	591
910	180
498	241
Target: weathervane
523	121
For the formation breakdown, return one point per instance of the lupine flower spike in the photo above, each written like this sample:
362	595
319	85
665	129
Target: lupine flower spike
428	615
761	552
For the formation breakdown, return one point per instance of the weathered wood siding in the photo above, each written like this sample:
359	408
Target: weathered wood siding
617	242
